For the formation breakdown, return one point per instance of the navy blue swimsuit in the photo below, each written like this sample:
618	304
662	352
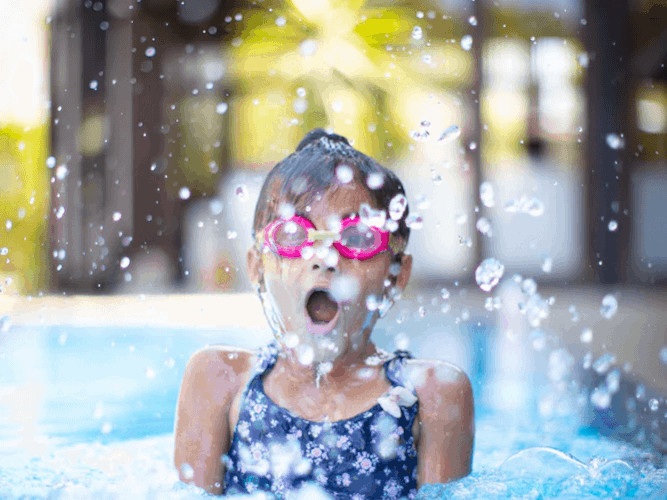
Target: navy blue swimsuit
369	456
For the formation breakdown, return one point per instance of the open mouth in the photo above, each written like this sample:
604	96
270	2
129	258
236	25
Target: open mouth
321	307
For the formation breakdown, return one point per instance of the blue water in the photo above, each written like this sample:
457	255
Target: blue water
89	413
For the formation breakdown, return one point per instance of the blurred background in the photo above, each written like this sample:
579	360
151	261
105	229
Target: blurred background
135	136
144	130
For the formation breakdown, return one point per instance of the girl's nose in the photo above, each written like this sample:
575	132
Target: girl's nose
326	257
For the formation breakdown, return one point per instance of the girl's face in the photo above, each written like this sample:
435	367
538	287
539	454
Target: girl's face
319	305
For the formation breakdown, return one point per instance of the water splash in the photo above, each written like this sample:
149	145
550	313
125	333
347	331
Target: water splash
488	274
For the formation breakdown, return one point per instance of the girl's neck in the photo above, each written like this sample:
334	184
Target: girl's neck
343	373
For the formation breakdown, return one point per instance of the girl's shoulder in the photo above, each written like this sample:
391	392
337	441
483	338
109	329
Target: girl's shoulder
437	380
227	365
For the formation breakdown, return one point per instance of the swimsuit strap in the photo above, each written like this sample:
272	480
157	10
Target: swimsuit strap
394	369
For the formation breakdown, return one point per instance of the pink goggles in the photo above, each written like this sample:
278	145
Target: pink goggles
288	237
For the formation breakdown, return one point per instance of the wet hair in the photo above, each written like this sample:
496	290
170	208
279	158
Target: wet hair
311	170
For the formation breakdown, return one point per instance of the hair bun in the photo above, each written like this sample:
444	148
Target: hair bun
319	133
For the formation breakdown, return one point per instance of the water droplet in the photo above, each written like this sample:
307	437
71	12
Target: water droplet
308	48
281	21
466	42
586	336
124	262
484	226
187	471
231	234
61	172
614	141
450	133
184	193
472	146
60	212
215	206
116	216
375	180
609	306
344	173
104	25
300	106
128	277
397	206
486	194
603	363
5	324
663	355
51	161
537	337
488	274
583	59
107	427
472	20
613	225
221	108
444	293
417	33
461	219
93	84
547	264
371	217
414	221
150	52
241	192
653	404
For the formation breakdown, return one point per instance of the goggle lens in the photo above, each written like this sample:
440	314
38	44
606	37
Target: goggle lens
355	241
358	237
290	235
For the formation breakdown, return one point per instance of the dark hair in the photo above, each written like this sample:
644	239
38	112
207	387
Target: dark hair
311	170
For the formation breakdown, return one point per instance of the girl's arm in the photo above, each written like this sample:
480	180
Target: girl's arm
447	429
202	429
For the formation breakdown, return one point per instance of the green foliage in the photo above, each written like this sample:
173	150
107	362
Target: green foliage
24	201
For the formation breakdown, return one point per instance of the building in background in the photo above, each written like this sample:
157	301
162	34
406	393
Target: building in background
161	110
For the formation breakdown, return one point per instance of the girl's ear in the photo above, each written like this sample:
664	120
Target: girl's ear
254	266
406	268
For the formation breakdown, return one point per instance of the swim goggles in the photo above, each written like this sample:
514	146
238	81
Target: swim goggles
355	240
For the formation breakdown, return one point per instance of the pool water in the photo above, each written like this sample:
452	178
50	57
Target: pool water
89	413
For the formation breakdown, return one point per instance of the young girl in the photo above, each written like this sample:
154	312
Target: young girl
323	407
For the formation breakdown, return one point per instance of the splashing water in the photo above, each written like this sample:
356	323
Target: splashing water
344	174
488	274
184	193
615	141
241	192
486	194
221	108
371	217
609	306
397	206
531	206
484	226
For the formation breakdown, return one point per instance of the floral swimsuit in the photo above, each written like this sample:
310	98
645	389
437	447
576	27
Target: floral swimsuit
369	456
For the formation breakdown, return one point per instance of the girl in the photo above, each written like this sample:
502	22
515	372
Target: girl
323	407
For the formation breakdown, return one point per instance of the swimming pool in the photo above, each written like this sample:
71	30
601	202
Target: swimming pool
87	412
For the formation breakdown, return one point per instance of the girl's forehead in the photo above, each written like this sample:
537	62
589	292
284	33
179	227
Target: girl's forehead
337	200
